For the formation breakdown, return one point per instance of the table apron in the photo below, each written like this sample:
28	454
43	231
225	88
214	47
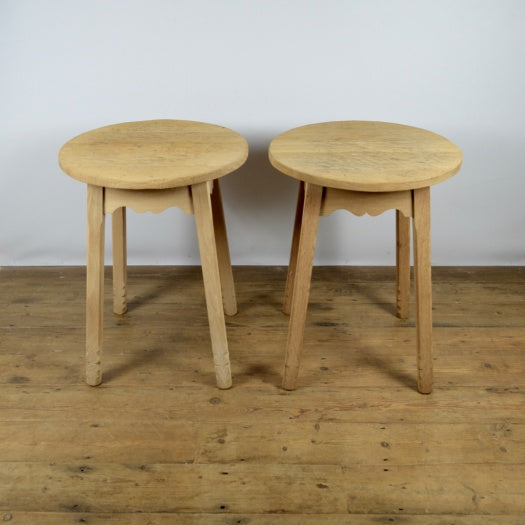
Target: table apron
361	202
154	201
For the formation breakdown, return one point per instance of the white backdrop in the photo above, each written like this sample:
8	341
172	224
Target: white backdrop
261	67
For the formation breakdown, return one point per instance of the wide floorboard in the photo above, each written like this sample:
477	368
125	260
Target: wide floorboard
158	443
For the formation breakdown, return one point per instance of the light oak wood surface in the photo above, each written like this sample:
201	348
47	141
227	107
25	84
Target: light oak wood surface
364	167
158	443
365	156
223	252
119	240
363	202
299	278
287	302
212	281
95	284
153	154
154	201
402	265
150	166
423	288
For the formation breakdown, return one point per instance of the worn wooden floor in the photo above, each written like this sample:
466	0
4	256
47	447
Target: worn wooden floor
157	443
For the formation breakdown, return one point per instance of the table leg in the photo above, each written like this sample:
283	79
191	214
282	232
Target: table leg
292	266
94	283
402	265
301	282
423	282
223	252
212	283
118	223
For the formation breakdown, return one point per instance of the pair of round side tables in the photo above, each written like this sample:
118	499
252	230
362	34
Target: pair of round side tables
360	166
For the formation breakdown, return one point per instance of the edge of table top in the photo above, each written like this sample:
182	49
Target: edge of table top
366	156
153	154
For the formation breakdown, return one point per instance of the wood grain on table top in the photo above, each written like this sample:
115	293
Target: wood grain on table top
365	156
153	154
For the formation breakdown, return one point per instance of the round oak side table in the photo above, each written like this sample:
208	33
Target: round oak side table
364	167
150	166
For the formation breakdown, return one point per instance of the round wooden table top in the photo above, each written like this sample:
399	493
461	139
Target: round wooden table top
153	154
365	156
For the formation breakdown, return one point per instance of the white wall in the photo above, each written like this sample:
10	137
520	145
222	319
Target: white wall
261	67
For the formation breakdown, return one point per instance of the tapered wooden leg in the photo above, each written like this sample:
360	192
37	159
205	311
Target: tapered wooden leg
423	282
94	283
403	265
223	252
301	282
118	223
287	303
212	283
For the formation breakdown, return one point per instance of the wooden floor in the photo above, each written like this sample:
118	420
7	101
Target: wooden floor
157	443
